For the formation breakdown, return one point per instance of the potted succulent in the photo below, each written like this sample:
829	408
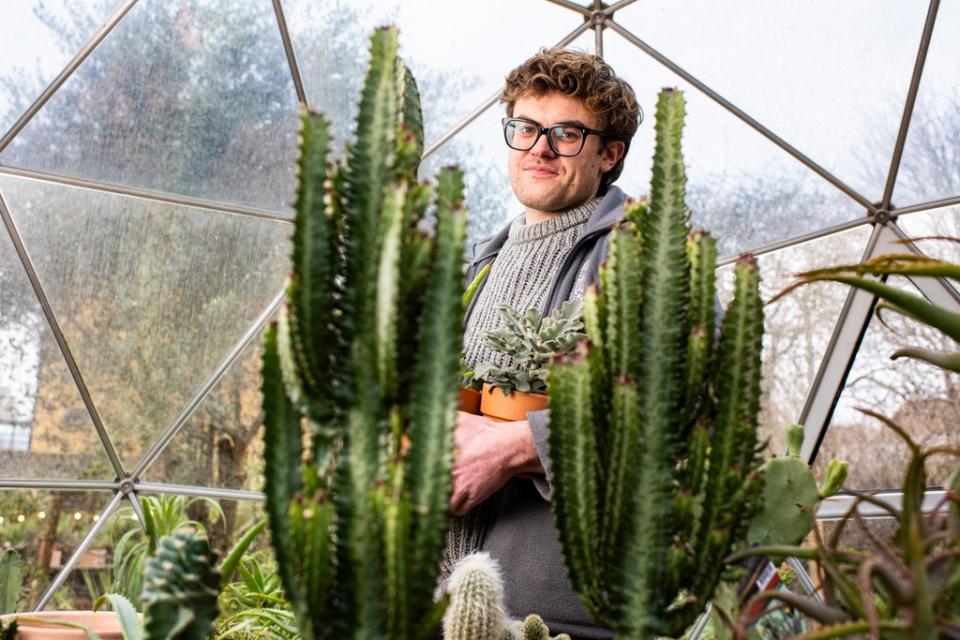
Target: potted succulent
530	343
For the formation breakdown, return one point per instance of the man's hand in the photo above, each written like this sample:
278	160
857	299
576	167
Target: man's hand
486	455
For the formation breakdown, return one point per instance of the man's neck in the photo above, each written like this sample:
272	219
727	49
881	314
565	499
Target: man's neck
532	216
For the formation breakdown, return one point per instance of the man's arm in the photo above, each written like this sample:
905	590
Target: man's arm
487	455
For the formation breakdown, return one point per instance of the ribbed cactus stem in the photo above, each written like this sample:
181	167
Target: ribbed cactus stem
653	419
363	368
180	588
476	609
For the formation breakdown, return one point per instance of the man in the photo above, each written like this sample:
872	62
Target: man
569	124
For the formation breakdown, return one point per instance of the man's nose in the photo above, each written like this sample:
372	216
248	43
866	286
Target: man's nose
542	147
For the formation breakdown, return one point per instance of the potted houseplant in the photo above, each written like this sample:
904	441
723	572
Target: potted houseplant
529	343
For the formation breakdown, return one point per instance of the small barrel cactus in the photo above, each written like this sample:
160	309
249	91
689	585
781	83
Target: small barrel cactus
790	495
476	610
534	628
180	589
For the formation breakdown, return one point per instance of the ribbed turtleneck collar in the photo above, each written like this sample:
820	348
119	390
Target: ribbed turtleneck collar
520	231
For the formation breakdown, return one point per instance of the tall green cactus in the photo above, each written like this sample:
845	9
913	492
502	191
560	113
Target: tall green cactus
654	418
360	375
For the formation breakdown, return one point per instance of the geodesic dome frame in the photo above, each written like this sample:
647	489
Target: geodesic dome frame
598	22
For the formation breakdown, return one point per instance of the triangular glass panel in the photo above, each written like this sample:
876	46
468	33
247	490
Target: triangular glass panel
37	40
797	328
192	98
480	151
221	445
930	169
919	397
45	430
834	89
741	186
151	296
44	528
446	45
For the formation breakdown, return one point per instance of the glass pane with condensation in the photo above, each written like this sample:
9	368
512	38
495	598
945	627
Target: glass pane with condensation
45	430
798	326
833	87
45	528
151	296
480	151
459	52
741	186
192	98
919	397
930	169
37	40
221	445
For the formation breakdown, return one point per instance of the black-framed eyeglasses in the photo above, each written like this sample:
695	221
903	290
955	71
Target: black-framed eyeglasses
564	139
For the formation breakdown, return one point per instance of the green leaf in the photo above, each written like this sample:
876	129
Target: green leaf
129	618
232	559
936	316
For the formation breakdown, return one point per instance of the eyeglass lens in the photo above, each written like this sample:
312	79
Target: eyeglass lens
563	139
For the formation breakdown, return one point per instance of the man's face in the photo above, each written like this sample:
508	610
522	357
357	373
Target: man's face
546	183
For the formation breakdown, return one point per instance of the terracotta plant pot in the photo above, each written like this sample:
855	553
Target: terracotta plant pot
105	624
511	407
470	401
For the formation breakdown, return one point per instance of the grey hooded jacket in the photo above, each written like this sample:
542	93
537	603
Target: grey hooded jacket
520	532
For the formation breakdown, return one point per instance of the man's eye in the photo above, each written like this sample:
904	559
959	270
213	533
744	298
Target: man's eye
567	135
526	130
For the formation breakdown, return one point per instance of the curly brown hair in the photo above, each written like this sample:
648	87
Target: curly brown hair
587	77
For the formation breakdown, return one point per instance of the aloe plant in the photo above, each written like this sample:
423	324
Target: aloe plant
530	342
360	374
929	313
653	428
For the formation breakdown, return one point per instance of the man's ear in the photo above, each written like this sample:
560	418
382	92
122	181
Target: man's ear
610	154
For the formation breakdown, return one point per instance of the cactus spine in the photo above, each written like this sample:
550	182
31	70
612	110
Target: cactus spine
180	588
653	421
365	362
